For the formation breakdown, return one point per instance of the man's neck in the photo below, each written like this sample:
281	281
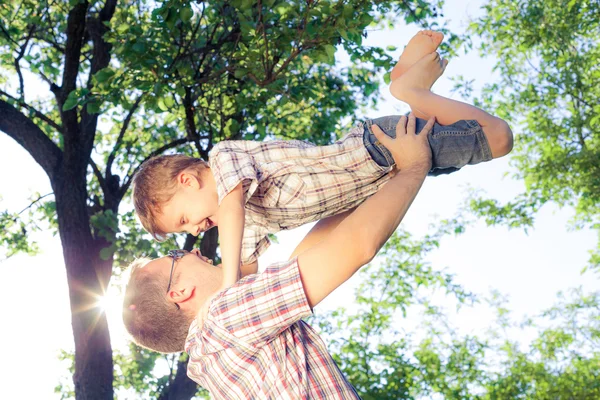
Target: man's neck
207	287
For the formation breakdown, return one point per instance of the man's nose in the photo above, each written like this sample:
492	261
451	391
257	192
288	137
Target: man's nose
192	230
195	230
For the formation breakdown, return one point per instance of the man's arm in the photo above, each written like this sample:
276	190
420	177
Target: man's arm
319	232
231	216
358	238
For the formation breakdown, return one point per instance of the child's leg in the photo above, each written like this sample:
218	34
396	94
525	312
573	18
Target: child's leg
423	43
413	88
452	146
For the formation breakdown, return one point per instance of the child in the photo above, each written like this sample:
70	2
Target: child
253	344
252	189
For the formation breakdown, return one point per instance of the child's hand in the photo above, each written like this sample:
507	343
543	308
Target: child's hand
199	254
408	149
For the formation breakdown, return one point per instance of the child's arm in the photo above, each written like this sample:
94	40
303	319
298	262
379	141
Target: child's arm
358	238
249	269
231	216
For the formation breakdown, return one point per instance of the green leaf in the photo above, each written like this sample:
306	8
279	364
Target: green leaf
93	107
71	101
139	47
104	74
169	102
330	50
107	252
161	104
344	34
186	14
121	29
386	78
240	73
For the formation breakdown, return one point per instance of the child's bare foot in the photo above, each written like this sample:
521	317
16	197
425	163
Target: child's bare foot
419	77
424	42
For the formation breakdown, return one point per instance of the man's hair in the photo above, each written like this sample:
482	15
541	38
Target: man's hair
155	183
151	320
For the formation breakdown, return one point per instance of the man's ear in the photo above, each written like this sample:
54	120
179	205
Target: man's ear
181	293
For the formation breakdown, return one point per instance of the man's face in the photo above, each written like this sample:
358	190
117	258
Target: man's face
193	208
186	268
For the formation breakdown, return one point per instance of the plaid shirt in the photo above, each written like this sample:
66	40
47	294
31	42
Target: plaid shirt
288	183
253	344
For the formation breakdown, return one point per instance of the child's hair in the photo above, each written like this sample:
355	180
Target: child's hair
155	184
151	320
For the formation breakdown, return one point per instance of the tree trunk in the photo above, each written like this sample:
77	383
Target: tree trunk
182	387
88	276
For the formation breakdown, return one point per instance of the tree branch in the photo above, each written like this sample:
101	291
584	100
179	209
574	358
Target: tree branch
5	32
95	29
18	60
180	387
34	202
265	57
75	32
43	150
155	153
99	176
119	142
55	45
37	113
190	125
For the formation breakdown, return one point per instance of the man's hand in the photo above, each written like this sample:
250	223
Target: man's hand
408	149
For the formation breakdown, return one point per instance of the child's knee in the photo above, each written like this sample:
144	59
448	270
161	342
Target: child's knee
500	138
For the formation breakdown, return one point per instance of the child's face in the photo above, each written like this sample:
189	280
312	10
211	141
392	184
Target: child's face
193	208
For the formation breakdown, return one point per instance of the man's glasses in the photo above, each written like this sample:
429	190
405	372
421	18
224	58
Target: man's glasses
175	255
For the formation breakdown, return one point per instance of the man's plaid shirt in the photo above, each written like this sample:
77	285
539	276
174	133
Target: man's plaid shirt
288	183
254	345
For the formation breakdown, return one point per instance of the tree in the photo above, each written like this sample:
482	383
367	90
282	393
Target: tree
547	56
135	79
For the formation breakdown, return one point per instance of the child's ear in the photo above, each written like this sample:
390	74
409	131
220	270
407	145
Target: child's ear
186	179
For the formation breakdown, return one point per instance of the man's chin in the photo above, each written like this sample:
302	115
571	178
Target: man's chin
211	224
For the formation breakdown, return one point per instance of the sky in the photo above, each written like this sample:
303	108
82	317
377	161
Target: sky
528	268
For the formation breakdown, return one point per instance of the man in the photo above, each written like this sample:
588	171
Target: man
252	342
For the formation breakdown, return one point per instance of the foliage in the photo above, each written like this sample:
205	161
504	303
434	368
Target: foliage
366	341
435	359
547	58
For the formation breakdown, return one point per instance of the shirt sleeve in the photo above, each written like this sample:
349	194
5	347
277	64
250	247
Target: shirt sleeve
261	306
231	164
254	242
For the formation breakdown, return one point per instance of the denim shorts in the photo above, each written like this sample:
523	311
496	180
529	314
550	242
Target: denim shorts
452	146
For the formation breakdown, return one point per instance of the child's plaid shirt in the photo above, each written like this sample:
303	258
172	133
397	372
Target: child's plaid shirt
288	183
253	344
